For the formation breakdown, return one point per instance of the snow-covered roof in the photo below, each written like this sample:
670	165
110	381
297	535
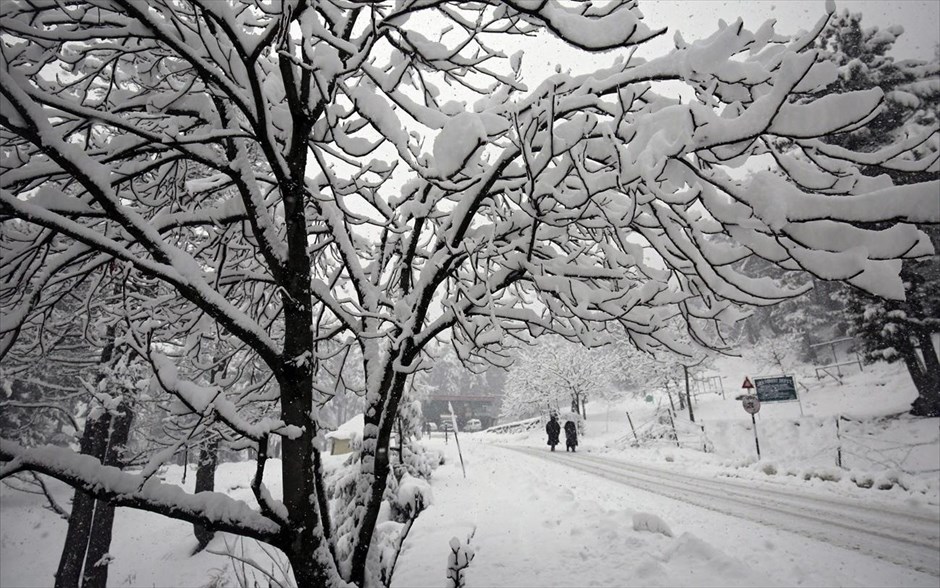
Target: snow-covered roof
351	428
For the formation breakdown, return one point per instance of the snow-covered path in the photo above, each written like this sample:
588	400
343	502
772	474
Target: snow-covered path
545	519
561	521
906	538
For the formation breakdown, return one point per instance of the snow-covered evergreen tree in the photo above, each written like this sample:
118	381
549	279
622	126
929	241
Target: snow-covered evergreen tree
894	330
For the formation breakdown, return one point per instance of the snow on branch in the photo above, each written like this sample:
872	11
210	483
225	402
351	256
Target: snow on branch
213	509
592	26
204	400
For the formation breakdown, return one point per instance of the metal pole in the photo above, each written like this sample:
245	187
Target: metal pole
453	421
629	420
838	444
756	441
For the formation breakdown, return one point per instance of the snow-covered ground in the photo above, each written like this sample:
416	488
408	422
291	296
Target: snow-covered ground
540	523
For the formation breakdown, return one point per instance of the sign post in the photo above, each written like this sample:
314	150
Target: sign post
453	421
779	389
629	420
751	404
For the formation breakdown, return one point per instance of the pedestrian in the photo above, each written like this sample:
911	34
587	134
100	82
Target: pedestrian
553	429
571	436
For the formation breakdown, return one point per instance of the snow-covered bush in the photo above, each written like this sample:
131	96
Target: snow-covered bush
407	494
458	560
419	461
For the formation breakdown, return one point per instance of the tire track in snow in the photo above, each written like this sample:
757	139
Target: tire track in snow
906	539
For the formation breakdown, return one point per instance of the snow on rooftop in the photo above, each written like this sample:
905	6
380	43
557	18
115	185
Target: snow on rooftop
350	429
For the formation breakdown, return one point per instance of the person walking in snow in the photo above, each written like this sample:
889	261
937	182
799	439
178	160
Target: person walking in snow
571	436
553	429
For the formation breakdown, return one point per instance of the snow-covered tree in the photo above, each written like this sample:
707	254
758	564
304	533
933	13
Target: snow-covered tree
776	353
375	175
894	330
448	375
557	374
911	111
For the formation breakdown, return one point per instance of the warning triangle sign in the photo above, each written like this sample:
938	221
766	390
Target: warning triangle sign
747	385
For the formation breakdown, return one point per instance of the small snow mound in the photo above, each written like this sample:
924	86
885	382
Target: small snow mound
566	494
649	522
701	555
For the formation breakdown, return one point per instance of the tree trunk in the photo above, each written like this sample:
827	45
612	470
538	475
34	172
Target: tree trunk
931	361
303	497
306	545
99	543
394	383
681	399
94	443
688	394
205	482
926	376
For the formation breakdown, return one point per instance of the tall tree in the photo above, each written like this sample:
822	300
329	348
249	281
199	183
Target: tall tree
345	192
894	330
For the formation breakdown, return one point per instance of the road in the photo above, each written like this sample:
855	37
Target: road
901	537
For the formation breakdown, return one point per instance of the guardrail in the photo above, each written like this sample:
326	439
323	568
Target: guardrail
516	427
825	369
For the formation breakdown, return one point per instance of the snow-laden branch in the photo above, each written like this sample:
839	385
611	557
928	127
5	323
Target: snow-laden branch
204	400
213	509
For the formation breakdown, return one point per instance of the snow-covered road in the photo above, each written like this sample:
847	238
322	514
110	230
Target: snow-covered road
906	538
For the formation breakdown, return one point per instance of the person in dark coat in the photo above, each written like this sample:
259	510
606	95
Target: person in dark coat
571	436
553	429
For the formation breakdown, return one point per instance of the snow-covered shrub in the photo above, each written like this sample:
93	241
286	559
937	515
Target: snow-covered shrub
769	469
461	554
407	493
643	521
887	480
272	569
217	579
822	473
407	496
419	461
863	480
